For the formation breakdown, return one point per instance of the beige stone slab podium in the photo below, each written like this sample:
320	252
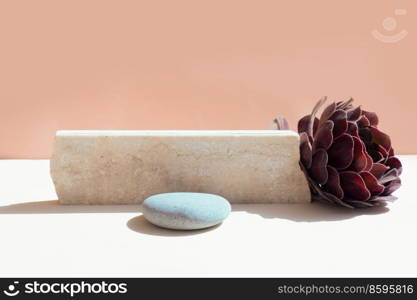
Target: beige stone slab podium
126	167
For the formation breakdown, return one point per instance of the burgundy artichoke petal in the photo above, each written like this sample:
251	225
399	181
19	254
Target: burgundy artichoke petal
372	117
365	135
345	104
380	138
354	114
374	201
333	183
318	168
352	129
327	112
315	188
323	195
320	197
369	162
333	199
378	169
310	139
359	204
372	183
394	163
391	152
316	108
339	118
378	157
392	187
385	198
360	160
324	136
304	124
341	152
354	186
305	150
389	176
329	198
382	150
363	121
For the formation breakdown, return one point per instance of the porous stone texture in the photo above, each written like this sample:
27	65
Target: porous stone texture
126	167
185	211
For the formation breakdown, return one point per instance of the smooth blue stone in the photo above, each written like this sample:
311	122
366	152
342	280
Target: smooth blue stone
185	211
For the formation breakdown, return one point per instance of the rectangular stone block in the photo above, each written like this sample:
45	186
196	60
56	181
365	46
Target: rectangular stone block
125	167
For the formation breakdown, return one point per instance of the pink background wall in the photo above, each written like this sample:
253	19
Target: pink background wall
197	65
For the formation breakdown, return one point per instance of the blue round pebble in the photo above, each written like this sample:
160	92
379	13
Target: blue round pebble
185	211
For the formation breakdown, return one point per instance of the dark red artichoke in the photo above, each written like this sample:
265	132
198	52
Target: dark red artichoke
347	160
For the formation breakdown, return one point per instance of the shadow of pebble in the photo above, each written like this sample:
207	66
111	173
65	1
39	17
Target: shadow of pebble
141	225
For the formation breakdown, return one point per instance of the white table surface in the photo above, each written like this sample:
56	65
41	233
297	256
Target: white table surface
39	237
